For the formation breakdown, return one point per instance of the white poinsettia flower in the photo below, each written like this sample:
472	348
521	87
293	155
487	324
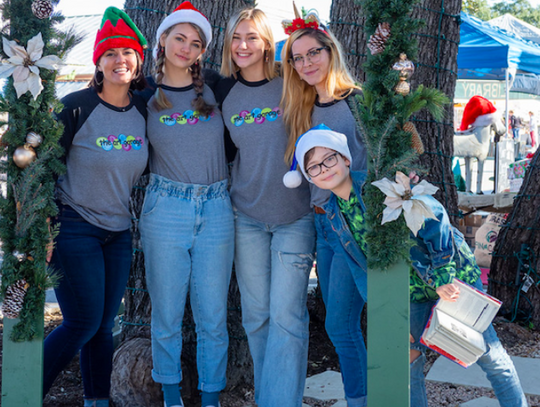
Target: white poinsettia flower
401	198
24	65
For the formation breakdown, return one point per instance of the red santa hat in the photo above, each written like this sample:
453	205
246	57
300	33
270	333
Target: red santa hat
478	112
184	13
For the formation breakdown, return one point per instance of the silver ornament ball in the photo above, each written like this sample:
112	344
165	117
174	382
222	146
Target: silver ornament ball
24	156
34	139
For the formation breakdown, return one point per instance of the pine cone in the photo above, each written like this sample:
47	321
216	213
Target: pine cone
14	299
42	8
416	141
377	41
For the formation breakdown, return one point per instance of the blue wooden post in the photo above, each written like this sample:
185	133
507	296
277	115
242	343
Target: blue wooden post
22	369
388	337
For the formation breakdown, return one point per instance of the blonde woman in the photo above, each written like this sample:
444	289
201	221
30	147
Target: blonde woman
187	225
275	234
317	90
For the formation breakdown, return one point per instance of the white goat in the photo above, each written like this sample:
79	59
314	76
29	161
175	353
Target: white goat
474	143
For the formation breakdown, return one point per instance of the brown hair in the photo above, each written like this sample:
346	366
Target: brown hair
137	83
160	100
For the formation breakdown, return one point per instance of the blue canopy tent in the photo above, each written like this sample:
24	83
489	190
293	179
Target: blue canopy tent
488	52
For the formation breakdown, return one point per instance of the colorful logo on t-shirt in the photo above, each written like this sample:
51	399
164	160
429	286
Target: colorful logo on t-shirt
189	117
122	142
257	116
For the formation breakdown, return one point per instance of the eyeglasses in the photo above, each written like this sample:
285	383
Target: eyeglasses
312	56
329	162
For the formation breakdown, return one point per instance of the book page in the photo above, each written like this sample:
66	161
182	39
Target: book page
474	308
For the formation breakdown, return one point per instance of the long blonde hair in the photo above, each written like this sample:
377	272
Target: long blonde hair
228	67
299	97
161	101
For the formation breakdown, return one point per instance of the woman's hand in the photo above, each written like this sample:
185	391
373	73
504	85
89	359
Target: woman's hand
448	292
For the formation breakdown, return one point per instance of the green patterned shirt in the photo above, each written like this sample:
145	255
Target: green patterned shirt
463	266
353	214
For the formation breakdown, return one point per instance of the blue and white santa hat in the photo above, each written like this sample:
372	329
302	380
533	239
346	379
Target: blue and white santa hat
318	136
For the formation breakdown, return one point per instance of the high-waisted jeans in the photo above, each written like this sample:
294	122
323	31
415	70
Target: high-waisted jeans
187	233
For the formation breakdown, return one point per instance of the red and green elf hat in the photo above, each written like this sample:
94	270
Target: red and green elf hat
118	31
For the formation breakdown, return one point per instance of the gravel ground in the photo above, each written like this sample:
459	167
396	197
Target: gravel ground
517	340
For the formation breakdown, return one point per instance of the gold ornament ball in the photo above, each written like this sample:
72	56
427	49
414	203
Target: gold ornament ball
403	88
34	139
23	156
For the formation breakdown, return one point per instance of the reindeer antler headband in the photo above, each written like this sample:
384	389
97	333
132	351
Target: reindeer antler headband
311	21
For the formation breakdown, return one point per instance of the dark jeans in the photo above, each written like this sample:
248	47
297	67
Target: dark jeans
93	265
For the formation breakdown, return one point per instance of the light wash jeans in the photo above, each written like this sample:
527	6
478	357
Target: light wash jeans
272	265
343	310
496	363
187	233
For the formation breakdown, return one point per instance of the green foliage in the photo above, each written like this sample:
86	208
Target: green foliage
24	225
381	114
477	8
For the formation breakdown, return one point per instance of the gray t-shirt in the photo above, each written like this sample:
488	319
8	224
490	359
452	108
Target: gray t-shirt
106	153
338	116
184	146
252	115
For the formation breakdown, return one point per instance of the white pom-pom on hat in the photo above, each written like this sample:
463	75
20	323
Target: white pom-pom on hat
292	179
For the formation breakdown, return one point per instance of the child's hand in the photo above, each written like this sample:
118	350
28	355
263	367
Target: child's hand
448	292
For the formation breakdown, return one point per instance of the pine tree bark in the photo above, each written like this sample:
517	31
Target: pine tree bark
132	382
515	257
436	66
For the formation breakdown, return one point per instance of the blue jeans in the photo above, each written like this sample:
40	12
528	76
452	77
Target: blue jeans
344	306
187	234
496	363
273	263
515	133
93	265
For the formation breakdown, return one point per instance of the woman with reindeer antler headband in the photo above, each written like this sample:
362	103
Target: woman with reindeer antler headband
275	234
317	89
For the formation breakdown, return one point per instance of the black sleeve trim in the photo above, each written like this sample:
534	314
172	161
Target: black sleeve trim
222	90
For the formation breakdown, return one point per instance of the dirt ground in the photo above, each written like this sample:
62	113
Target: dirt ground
519	341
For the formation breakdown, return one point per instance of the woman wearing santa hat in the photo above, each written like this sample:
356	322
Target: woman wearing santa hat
186	224
106	152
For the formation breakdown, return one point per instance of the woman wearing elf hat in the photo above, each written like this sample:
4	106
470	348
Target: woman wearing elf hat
186	224
106	153
275	235
318	89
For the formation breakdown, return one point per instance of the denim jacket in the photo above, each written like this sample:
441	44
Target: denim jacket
434	246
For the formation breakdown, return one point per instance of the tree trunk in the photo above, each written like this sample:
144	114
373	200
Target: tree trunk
148	15
132	382
515	257
438	44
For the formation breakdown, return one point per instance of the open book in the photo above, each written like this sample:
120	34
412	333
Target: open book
455	329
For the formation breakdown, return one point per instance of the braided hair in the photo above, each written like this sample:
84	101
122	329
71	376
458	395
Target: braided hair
198	103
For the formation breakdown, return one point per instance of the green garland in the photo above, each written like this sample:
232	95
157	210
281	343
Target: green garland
24	226
381	114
